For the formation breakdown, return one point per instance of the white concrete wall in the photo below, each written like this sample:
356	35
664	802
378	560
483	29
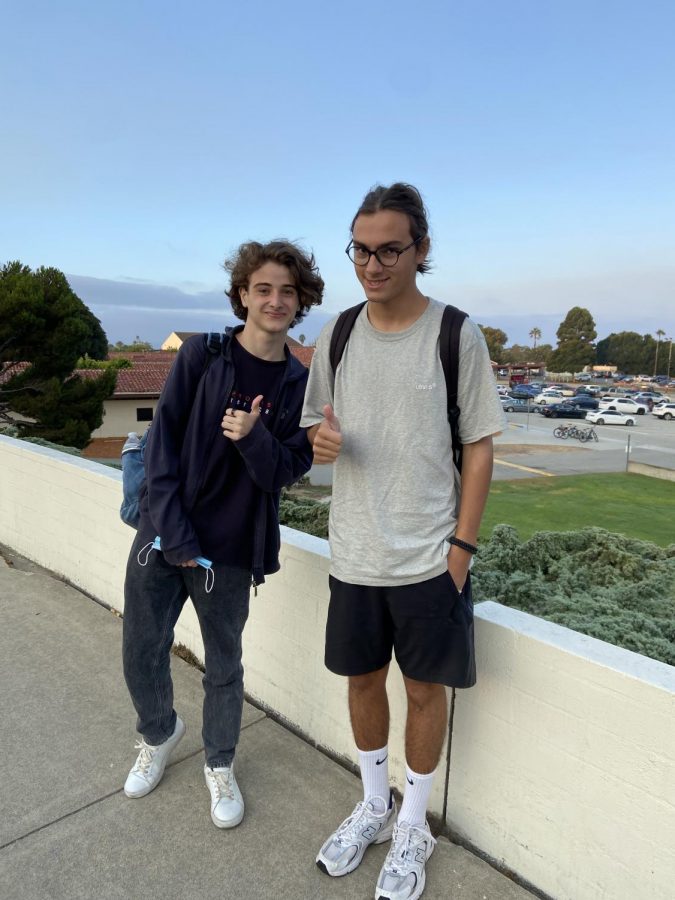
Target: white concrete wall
562	756
562	760
119	417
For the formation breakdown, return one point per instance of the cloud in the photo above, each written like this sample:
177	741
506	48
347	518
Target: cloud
128	308
641	301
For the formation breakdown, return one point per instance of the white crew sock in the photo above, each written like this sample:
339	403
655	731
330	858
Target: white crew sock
415	797
375	775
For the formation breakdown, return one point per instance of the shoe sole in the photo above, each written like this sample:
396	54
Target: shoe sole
382	838
231	823
136	795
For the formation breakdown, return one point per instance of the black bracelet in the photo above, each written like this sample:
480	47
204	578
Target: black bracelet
464	545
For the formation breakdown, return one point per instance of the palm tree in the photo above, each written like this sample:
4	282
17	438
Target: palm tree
659	334
535	334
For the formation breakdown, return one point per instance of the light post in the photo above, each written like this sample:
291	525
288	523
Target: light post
670	354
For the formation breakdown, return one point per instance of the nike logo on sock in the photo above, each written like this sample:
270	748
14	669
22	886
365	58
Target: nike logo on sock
410	781
378	762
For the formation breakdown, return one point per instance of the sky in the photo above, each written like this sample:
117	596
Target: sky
142	142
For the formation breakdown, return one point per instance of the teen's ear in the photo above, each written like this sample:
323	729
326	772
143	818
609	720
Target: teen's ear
243	295
423	249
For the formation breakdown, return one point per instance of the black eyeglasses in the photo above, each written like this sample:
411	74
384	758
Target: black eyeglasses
386	256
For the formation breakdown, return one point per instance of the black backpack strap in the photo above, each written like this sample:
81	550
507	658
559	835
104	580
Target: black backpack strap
214	345
341	332
451	327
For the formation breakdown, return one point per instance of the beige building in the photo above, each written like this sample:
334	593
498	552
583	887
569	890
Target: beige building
176	339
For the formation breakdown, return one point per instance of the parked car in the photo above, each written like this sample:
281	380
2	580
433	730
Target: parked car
615	392
523	392
565	389
583	402
609	417
563	411
546	398
512	404
648	395
664	411
583	376
502	390
624	404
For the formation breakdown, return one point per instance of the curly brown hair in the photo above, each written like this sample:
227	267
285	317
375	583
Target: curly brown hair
301	264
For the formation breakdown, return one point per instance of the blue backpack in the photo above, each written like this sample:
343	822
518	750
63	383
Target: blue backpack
133	452
133	477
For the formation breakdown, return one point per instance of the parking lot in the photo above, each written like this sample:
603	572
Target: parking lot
527	448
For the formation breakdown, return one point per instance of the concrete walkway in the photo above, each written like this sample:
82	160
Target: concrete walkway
66	744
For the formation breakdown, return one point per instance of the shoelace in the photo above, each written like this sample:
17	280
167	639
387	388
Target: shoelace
350	826
223	783
404	842
145	757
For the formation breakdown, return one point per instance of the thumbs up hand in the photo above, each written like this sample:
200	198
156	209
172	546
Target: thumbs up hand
327	437
237	423
331	419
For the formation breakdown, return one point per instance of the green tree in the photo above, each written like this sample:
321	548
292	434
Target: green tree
535	334
44	329
495	339
659	334
576	335
630	352
136	346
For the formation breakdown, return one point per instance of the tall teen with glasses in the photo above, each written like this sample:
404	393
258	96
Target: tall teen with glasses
401	545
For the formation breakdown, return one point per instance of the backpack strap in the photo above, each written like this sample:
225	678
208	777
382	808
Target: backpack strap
451	327
341	332
214	342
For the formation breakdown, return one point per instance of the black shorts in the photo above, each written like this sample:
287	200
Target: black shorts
428	624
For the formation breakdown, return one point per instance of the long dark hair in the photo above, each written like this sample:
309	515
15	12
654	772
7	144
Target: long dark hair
399	197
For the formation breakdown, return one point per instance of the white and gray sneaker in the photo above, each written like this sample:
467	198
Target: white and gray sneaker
402	877
227	804
344	849
147	771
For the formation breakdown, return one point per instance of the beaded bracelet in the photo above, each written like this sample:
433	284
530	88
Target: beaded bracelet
464	545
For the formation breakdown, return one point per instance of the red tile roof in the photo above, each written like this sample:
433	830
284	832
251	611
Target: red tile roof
303	354
149	370
144	378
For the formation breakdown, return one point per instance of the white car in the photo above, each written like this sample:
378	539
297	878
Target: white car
664	411
624	404
565	389
547	398
609	417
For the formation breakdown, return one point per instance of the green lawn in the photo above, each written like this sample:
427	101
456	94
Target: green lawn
634	505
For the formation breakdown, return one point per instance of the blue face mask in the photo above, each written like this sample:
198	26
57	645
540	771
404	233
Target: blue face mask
200	560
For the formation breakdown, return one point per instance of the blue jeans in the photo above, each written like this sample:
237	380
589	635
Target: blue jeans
154	596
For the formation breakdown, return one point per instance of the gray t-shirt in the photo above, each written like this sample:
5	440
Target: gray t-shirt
394	495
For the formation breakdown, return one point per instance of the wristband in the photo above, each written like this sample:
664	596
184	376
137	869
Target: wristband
463	545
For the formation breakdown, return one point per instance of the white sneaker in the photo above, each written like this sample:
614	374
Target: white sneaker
149	767
227	804
402	877
344	849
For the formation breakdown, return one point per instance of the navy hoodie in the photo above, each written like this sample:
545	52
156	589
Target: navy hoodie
184	428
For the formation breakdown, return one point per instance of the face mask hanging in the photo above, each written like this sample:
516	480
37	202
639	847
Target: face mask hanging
144	555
